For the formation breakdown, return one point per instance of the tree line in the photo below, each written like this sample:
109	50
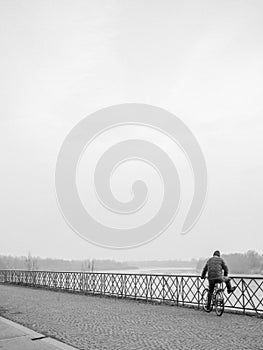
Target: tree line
32	263
250	262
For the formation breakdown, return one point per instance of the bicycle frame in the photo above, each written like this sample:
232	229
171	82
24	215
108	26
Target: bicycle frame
217	299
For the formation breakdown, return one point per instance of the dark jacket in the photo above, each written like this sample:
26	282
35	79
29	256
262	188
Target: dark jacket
215	267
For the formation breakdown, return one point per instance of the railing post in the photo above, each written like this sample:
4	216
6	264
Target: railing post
33	278
122	285
146	287
198	292
151	288
112	284
135	286
125	286
93	283
101	284
163	292
103	290
243	295
182	289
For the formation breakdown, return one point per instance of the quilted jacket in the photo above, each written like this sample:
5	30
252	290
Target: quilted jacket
215	267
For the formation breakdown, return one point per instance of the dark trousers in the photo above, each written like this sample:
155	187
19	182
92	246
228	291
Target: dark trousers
212	284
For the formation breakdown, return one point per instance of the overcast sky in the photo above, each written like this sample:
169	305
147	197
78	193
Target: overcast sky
62	60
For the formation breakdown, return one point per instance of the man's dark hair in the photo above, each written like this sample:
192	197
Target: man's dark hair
216	253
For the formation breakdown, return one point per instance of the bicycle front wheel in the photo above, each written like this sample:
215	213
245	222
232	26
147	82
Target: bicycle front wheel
219	302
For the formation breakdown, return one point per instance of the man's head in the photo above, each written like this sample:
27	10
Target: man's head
216	253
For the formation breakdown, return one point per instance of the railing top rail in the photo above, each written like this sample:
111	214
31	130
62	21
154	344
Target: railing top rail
131	274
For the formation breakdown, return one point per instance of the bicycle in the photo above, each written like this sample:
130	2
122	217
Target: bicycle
217	300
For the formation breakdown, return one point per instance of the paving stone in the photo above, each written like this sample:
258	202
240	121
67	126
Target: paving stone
93	322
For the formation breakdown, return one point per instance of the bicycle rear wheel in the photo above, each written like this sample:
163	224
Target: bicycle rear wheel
204	300
219	302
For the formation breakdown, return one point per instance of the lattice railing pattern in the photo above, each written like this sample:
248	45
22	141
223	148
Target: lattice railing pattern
176	289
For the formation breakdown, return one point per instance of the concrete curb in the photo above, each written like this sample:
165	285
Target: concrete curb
32	334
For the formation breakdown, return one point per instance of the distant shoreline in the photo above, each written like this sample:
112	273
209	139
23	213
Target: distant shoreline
171	271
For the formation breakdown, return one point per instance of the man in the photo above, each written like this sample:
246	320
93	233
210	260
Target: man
215	267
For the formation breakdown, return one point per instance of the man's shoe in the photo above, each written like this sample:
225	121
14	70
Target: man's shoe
231	290
207	309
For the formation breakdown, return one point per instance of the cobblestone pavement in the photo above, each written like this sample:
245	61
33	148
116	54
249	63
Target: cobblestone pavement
93	322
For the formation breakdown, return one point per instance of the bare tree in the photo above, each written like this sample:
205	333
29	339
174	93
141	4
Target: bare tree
31	262
85	266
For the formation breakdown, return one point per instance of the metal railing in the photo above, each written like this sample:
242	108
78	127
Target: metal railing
175	289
